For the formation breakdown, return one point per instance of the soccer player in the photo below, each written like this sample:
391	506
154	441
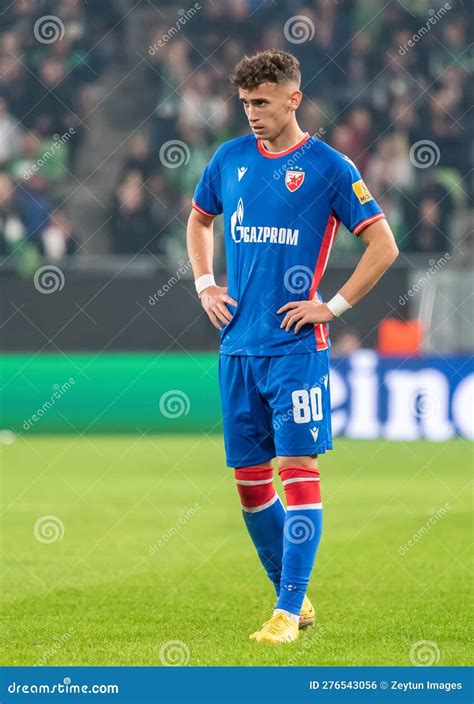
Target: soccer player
282	194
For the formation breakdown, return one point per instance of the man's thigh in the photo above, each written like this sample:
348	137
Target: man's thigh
246	415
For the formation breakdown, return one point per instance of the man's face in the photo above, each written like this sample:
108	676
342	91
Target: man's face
269	107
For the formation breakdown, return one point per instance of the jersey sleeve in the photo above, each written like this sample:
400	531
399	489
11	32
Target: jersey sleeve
207	198
352	202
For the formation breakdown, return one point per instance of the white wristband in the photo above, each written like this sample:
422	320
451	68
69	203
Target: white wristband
338	305
203	282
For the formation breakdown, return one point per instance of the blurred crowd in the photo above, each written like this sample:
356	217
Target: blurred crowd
52	56
377	80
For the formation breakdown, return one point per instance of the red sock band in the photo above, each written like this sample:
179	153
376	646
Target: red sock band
255	486
301	486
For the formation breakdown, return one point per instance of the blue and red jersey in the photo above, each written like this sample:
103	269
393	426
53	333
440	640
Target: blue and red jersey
281	215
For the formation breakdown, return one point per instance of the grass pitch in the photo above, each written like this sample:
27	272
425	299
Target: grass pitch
145	545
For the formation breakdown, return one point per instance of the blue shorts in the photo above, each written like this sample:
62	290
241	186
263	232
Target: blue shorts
275	406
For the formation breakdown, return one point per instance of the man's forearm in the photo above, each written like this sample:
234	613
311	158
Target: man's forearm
200	243
380	254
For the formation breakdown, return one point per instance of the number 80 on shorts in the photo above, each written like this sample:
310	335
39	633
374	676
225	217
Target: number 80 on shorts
307	405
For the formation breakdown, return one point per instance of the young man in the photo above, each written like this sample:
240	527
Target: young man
282	194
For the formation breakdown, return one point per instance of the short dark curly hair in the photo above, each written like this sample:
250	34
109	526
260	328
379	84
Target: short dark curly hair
266	67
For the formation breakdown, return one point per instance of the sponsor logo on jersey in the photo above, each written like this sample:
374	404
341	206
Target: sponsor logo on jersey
259	233
361	191
293	180
241	171
314	432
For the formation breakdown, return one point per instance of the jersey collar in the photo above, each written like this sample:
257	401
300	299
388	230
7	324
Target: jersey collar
275	155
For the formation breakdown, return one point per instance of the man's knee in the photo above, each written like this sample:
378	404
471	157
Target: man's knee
305	461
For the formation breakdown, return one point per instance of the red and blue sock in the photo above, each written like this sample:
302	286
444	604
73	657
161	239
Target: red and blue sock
264	516
301	534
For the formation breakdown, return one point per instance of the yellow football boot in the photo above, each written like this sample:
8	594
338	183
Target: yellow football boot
279	629
307	614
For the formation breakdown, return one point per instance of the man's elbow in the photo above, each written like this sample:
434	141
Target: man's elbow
392	253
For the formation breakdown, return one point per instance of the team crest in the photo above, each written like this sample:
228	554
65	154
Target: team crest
293	180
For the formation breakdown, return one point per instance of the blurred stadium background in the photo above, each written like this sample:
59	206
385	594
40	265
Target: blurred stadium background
109	110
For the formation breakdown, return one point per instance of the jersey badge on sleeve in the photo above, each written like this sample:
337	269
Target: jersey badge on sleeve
361	191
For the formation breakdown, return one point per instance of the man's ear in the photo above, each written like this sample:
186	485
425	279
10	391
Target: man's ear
295	99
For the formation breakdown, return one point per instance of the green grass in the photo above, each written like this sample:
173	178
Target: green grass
116	604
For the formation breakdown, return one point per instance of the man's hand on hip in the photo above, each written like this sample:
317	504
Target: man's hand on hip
214	300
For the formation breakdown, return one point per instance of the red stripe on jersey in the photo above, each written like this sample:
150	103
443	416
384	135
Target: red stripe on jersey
368	221
202	211
252	495
303	486
322	331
